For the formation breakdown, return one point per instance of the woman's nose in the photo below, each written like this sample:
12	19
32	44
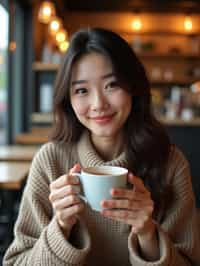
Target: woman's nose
99	101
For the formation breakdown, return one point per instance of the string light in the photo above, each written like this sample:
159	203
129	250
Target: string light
46	12
63	46
61	36
55	25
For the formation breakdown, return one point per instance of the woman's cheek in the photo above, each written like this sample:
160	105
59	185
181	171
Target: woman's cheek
80	107
122	99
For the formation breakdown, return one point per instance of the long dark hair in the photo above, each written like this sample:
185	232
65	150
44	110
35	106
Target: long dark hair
146	141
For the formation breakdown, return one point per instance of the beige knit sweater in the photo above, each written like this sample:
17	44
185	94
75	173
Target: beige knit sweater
96	240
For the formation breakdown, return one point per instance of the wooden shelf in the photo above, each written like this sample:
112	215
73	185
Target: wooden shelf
39	66
184	81
41	118
168	55
161	33
180	122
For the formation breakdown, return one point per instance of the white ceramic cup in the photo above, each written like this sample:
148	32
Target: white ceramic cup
98	181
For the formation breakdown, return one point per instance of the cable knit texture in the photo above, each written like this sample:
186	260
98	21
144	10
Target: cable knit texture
96	240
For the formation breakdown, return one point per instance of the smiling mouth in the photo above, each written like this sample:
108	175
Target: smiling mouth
102	119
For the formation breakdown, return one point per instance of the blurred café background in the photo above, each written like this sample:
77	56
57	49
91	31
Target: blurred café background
34	36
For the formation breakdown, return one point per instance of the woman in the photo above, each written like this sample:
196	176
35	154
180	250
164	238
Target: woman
102	108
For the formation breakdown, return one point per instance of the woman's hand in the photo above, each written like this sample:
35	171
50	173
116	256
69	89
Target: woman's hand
133	207
65	201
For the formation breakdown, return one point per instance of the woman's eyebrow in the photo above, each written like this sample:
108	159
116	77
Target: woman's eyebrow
112	74
75	82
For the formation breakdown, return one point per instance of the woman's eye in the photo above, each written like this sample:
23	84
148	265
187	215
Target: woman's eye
80	91
113	85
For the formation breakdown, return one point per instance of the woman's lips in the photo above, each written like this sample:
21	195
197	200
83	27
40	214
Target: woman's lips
102	119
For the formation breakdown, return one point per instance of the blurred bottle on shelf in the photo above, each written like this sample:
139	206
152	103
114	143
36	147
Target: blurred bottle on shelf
174	103
46	98
194	44
56	57
195	89
156	73
137	44
46	54
168	74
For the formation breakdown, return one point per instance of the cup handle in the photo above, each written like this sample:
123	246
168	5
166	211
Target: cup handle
79	195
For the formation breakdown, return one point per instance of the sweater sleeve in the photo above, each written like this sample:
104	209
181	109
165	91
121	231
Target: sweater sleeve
178	234
38	239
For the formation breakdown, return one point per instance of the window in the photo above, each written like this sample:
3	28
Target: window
4	22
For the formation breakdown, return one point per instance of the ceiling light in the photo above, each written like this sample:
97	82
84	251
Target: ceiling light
188	23
136	24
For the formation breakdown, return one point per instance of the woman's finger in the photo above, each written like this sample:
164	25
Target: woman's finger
66	202
126	204
63	192
64	180
126	193
136	182
75	169
121	214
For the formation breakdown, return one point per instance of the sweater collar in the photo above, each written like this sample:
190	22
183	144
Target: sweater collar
89	157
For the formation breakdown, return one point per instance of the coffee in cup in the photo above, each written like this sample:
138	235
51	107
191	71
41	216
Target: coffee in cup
98	181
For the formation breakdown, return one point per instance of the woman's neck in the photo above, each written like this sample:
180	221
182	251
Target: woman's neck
108	148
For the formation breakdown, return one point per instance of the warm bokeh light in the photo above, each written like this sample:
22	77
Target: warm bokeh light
61	36
46	12
63	46
195	87
188	23
12	46
55	25
136	24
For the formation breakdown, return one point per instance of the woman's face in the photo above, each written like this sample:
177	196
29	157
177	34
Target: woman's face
97	99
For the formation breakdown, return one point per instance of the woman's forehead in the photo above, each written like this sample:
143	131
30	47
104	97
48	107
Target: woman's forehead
92	66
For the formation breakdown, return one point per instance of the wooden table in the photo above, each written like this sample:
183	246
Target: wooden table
12	177
17	153
13	174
